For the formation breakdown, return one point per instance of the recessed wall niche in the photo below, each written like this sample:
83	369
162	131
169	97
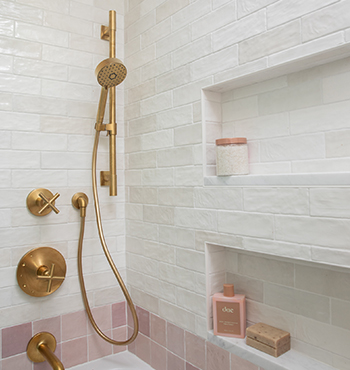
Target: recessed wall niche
295	123
309	300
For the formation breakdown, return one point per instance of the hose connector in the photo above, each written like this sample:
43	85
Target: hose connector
80	201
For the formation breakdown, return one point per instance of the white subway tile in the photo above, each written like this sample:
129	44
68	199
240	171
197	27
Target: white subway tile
240	30
33	104
158	214
36	68
141	230
41	34
270	42
142	160
14	237
174	78
156	103
214	20
67	56
173	42
180	197
5	140
142	91
87	12
196	219
19	159
189	134
141	25
60	6
325	165
176	236
215	62
277	200
270	168
291	148
245	7
81	109
156	33
19	121
170	118
14	10
336	144
189	176
60	89
158	177
156	67
284	11
177	315
5	101
87	44
33	141
5	178
320	118
329	202
67	23
110	4
240	109
172	157
249	224
327	232
191	260
298	302
325	21
190	92
191	301
157	140
7	27
19	84
218	198
5	218
334	87
190	13
330	256
143	195
65	125
149	266
20	48
168	8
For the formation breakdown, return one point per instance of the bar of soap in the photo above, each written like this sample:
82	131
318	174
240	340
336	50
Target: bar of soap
268	339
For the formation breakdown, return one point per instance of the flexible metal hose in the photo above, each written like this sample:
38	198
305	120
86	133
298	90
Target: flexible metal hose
109	259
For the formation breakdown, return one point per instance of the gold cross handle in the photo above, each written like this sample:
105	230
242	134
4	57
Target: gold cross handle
49	276
49	203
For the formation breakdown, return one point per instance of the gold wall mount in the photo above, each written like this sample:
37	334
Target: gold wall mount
41	202
42	347
41	271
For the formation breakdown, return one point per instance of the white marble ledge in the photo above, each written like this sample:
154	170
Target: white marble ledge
291	360
290	179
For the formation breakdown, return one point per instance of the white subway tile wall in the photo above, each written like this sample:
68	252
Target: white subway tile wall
163	216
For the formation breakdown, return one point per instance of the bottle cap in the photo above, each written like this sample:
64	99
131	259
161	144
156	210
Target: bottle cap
229	290
231	140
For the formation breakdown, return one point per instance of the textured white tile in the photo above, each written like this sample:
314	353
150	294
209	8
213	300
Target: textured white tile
192	260
177	315
170	118
230	198
7	27
277	200
172	157
67	23
142	160
156	103
270	42
329	202
325	232
158	177
290	148
334	88
173	41
168	8
142	91
196	219
19	159
141	25
157	140
156	67
240	30
156	33
21	12
322	166
189	134
158	214
245	7
190	92
240	109
31	141
174	78
35	68
249	224
336	144
181	197
190	13
189	176
176	236
67	56
19	84
330	256
327	20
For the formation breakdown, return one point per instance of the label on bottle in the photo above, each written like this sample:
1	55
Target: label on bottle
228	316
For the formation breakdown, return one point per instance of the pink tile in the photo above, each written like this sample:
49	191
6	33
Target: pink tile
103	318
190	367
74	352
158	330
118	314
119	334
143	348
176	340
131	346
15	339
52	326
217	358
21	362
144	324
45	365
98	347
238	363
74	325
158	356
195	350
175	362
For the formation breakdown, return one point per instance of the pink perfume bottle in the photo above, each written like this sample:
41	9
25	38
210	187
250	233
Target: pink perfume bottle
229	313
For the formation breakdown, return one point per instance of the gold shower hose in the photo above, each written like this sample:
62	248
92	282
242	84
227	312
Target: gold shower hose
83	204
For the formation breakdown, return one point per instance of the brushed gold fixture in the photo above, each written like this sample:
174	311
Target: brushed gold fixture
42	347
41	271
41	202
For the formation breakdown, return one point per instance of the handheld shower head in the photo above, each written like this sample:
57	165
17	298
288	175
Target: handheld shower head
110	72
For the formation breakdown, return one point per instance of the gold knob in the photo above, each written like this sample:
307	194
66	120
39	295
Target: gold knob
41	202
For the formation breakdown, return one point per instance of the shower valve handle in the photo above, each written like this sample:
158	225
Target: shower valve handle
48	203
41	202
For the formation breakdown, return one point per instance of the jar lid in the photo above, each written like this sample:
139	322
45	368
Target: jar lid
231	140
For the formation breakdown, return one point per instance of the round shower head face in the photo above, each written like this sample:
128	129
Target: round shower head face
110	72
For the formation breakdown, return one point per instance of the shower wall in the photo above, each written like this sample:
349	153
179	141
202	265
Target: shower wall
48	103
173	50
